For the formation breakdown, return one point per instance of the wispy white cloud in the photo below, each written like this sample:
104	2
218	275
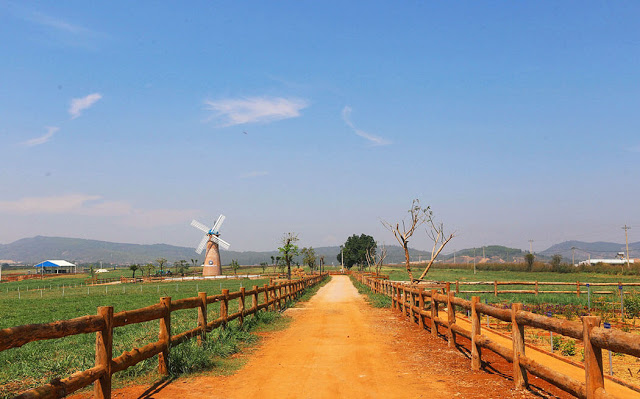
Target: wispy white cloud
80	104
51	130
230	112
55	23
47	205
256	173
120	212
375	140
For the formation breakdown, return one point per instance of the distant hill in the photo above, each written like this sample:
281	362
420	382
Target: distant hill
490	251
594	249
39	248
36	249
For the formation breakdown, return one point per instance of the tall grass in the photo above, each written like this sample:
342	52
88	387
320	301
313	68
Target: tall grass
376	300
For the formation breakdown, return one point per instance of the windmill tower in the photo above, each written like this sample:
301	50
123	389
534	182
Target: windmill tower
212	240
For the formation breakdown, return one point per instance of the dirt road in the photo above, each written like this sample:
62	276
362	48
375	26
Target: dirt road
339	347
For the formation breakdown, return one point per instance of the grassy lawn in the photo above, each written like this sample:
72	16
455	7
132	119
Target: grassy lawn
38	362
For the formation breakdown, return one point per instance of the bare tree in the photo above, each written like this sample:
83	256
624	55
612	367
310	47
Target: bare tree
376	260
438	236
418	216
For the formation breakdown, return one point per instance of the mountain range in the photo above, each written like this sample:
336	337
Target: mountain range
36	249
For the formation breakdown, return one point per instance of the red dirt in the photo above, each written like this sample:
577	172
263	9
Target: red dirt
338	346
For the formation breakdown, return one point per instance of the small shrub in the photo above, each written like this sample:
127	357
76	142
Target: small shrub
632	305
557	342
568	348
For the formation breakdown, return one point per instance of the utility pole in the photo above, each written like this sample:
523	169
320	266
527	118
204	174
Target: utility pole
530	246
573	255
626	238
474	261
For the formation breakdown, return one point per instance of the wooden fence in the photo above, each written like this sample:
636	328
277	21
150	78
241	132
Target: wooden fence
421	305
577	288
275	295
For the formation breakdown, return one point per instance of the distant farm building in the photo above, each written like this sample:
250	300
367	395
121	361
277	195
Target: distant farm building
605	261
55	267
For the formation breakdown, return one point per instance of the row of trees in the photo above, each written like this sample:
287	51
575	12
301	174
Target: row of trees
180	267
361	250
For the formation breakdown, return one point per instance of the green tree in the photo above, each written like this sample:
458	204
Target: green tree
355	250
235	266
556	260
309	257
528	260
264	266
149	267
288	250
134	268
161	262
182	266
276	264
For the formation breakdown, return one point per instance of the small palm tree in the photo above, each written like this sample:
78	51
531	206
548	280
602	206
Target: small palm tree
235	266
133	268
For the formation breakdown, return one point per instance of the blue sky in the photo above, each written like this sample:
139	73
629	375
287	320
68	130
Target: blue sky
123	121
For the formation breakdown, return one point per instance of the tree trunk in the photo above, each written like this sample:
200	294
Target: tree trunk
406	256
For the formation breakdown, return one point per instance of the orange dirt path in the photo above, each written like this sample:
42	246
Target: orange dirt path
338	346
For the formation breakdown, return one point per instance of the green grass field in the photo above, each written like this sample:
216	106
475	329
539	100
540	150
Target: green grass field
399	273
41	301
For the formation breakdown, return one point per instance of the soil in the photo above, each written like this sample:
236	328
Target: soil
339	346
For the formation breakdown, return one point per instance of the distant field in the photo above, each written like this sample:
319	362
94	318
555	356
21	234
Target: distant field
399	273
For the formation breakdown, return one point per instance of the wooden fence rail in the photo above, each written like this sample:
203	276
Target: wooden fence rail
580	287
275	295
411	301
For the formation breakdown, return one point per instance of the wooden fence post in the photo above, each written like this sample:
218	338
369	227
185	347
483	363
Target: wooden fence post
224	307
495	288
104	353
274	305
241	304
536	287
434	314
165	336
578	288
594	372
475	331
266	297
254	299
451	316
404	301
393	298
202	317
519	373
412	303
421	306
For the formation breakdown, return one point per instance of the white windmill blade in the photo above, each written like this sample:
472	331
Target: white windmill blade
221	242
202	244
199	226
216	227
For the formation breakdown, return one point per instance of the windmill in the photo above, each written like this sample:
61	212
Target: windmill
212	240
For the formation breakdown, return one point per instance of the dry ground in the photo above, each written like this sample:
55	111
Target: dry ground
340	347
